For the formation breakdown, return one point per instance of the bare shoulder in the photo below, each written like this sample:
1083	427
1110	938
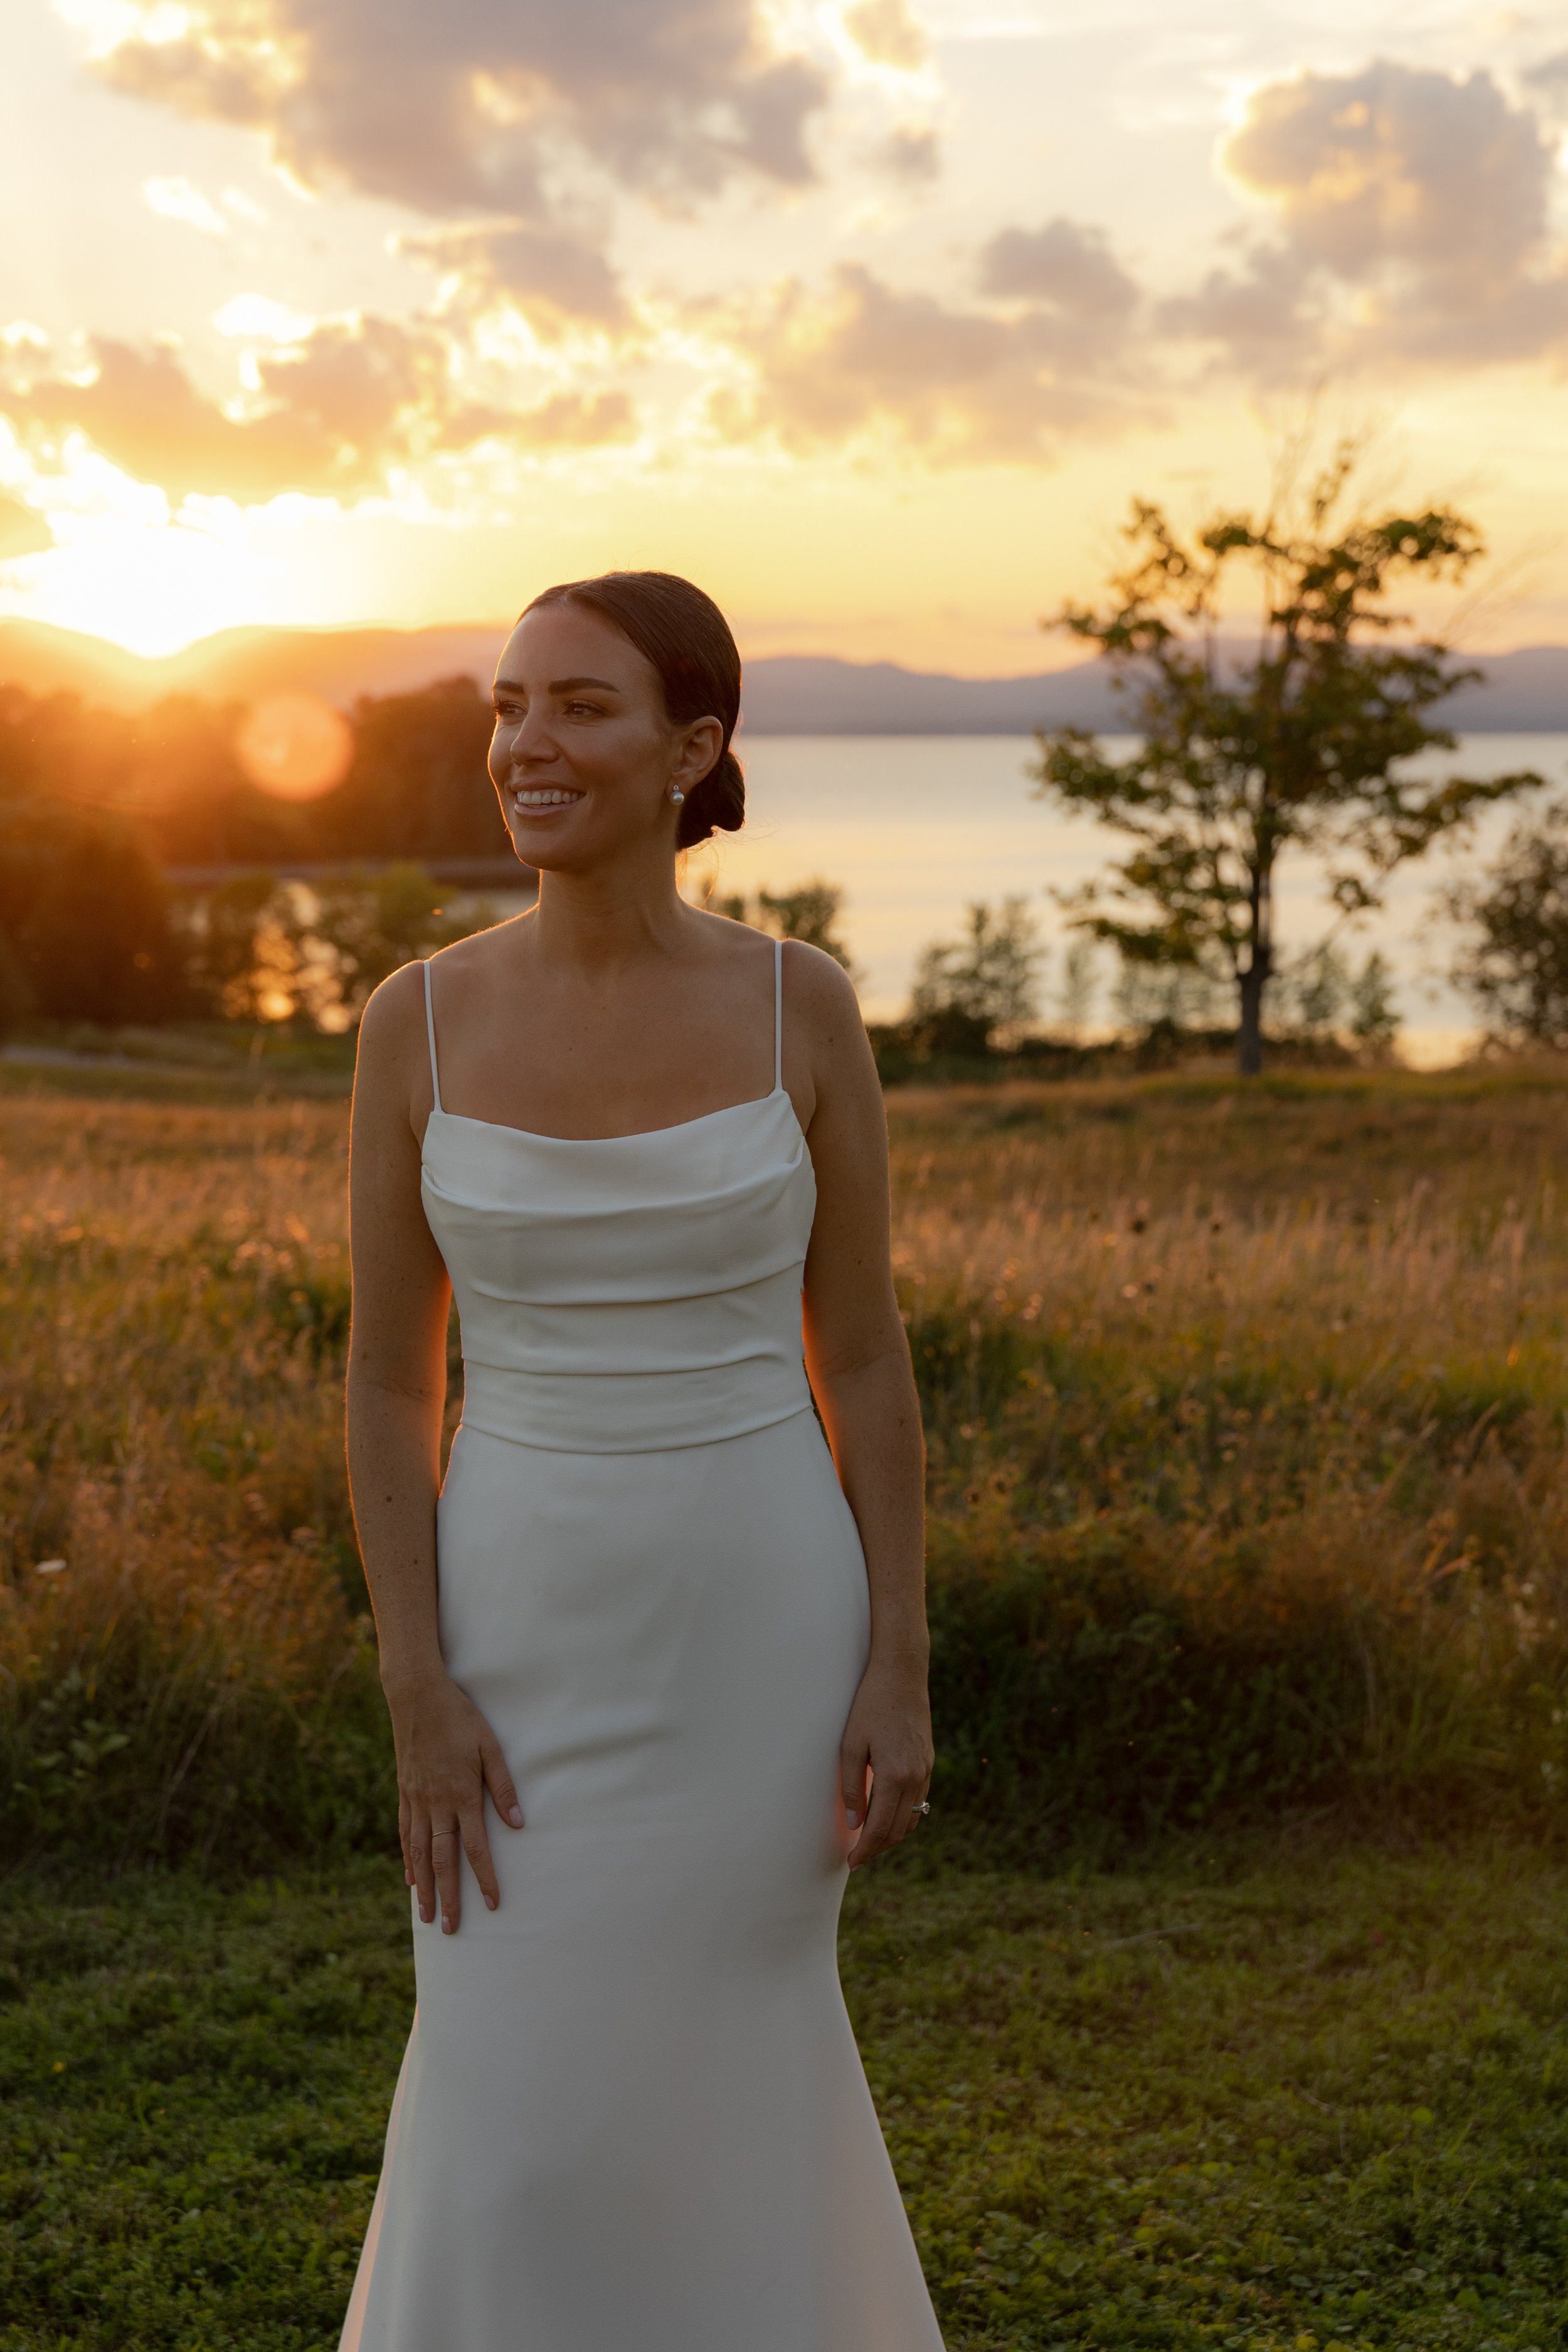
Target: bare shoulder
820	996
392	1025
394	1018
476	951
837	1093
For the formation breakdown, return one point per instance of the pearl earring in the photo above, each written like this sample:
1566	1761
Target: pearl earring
676	795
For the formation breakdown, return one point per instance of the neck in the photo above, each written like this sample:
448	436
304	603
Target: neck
610	915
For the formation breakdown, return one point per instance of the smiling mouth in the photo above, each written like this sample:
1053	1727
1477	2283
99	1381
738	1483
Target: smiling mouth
544	796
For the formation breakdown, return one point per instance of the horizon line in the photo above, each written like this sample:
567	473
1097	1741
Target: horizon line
324	629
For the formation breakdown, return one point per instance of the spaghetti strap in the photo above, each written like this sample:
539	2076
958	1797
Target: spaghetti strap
778	1016
430	1032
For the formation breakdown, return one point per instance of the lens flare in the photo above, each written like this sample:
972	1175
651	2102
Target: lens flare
294	746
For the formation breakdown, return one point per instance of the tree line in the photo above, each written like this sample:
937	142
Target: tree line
984	997
96	806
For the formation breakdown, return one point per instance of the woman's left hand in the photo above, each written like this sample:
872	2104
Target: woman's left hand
886	1740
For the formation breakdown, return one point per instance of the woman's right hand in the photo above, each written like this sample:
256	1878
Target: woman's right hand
447	1756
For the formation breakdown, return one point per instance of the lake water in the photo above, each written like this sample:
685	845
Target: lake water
914	828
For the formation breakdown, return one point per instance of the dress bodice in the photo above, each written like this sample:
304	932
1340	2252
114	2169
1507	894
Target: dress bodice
626	1294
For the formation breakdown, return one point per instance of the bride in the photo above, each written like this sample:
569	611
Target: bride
655	1657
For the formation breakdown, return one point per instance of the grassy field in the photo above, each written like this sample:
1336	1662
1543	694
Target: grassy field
1226	2008
1274	2100
1247	1442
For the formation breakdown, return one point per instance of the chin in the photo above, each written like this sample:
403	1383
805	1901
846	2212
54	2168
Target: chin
550	854
535	838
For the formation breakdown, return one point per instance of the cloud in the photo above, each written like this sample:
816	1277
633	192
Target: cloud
1411	215
1548	78
258	314
1063	263
353	398
863	359
885	32
472	105
23	531
553	276
574	420
178	200
911	153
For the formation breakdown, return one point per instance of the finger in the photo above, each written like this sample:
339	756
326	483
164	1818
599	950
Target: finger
873	1837
476	1846
852	1766
906	1813
447	1844
886	1818
405	1820
500	1784
423	1862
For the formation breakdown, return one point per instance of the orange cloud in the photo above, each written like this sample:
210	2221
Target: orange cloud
1412	213
959	383
886	32
553	276
472	103
353	398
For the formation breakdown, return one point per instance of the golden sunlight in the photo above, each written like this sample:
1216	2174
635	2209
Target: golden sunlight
294	746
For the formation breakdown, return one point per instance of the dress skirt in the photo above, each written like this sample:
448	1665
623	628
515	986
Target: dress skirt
631	2116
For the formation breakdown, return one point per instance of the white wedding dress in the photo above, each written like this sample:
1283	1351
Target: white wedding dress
631	2116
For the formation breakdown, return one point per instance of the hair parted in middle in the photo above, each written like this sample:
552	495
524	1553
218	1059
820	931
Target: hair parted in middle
686	638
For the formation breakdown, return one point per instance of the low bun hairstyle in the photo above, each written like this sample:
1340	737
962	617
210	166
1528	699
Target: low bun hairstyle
686	638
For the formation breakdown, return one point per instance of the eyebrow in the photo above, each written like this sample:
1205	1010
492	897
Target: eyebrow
557	685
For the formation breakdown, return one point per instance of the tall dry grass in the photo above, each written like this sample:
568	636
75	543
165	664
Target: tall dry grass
1247	1443
1247	1418
183	1663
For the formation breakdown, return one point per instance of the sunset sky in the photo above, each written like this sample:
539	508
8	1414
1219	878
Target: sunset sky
869	314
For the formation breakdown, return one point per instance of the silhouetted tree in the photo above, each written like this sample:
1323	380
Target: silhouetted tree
417	786
1299	746
237	950
808	912
358	931
85	917
91	800
966	990
1514	964
1373	1016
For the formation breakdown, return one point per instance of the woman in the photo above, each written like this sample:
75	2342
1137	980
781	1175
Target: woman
655	1671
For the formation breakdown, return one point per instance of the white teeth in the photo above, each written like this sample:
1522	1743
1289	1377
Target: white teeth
547	796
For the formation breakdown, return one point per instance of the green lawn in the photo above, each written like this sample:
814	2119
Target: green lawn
1290	2097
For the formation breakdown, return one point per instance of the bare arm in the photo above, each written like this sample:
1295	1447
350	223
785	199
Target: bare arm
447	1753
859	1364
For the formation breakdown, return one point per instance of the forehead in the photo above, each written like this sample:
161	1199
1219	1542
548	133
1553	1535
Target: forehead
557	641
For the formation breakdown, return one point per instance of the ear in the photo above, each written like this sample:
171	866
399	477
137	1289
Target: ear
697	754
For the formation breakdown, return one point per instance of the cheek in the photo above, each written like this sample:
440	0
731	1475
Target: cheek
626	755
499	757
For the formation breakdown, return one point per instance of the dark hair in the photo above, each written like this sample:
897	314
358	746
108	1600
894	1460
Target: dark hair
686	638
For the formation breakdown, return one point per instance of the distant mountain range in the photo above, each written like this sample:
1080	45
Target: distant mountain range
1524	692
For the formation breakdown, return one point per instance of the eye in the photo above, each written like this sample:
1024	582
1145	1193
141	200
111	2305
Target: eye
584	709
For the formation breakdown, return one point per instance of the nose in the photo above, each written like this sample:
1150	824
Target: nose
530	744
